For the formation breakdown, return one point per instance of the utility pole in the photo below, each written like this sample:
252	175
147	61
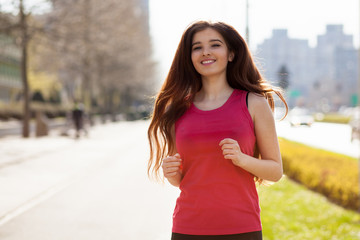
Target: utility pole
247	23
358	100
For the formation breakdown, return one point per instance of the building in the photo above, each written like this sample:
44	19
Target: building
293	54
336	67
145	12
10	72
322	78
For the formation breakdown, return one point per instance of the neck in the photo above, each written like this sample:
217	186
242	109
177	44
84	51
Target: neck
213	88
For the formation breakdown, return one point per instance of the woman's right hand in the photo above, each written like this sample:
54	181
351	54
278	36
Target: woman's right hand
172	169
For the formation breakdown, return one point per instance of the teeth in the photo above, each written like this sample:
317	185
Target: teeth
207	61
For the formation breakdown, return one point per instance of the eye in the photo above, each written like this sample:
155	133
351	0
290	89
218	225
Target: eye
216	45
196	48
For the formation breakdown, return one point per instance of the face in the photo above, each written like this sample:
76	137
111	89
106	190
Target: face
209	53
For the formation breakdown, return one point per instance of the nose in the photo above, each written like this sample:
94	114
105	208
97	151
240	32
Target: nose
206	51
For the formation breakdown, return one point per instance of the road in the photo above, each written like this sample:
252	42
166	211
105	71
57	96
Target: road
92	188
329	136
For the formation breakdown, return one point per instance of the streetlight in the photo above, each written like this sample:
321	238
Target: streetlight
247	24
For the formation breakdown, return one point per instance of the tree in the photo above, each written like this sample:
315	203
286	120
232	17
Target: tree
99	51
103	50
283	75
22	30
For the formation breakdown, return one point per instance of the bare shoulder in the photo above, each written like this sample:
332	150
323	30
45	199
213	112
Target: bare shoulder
257	100
257	104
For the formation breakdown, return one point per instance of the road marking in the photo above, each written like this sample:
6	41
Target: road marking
33	202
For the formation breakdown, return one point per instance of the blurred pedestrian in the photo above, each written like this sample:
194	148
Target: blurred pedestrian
212	120
78	118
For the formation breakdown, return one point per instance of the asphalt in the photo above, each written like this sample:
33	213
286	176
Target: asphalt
25	168
35	168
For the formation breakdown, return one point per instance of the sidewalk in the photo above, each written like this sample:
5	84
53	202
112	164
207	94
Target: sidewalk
15	149
14	127
35	168
9	124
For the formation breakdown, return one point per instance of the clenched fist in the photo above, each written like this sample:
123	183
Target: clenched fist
172	166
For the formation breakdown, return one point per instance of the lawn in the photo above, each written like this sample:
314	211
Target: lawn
292	212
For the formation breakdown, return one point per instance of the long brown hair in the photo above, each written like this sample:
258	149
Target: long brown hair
183	82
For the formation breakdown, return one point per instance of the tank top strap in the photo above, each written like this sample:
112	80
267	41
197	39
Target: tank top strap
241	97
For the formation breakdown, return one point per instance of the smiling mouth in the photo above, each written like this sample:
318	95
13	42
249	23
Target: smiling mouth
207	62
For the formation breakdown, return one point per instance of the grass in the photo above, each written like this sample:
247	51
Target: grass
292	212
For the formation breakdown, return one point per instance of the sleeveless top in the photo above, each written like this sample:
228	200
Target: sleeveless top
217	197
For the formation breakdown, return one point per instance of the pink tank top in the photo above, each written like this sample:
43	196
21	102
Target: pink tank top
216	196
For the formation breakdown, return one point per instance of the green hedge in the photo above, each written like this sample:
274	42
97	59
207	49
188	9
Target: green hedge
331	174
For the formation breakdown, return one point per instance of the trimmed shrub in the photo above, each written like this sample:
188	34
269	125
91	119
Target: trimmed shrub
331	174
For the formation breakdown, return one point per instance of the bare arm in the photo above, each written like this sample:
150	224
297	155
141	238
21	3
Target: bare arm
269	167
172	166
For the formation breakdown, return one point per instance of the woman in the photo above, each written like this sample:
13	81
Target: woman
213	111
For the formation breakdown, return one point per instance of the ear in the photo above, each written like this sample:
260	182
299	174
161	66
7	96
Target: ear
231	56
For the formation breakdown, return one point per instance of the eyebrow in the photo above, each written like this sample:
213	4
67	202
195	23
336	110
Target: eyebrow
212	40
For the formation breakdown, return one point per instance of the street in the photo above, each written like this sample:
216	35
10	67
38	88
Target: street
328	136
97	187
92	188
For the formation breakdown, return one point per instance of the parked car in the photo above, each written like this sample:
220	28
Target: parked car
300	116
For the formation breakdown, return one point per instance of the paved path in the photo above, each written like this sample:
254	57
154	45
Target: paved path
92	188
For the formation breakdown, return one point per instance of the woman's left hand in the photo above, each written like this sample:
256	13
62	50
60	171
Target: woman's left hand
231	150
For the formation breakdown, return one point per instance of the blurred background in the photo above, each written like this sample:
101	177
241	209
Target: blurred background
112	56
77	79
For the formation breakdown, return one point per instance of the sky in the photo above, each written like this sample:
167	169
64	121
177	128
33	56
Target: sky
304	19
33	5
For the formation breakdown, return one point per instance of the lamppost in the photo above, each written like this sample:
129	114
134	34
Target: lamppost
247	24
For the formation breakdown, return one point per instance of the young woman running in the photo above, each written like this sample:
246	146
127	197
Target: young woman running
212	121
